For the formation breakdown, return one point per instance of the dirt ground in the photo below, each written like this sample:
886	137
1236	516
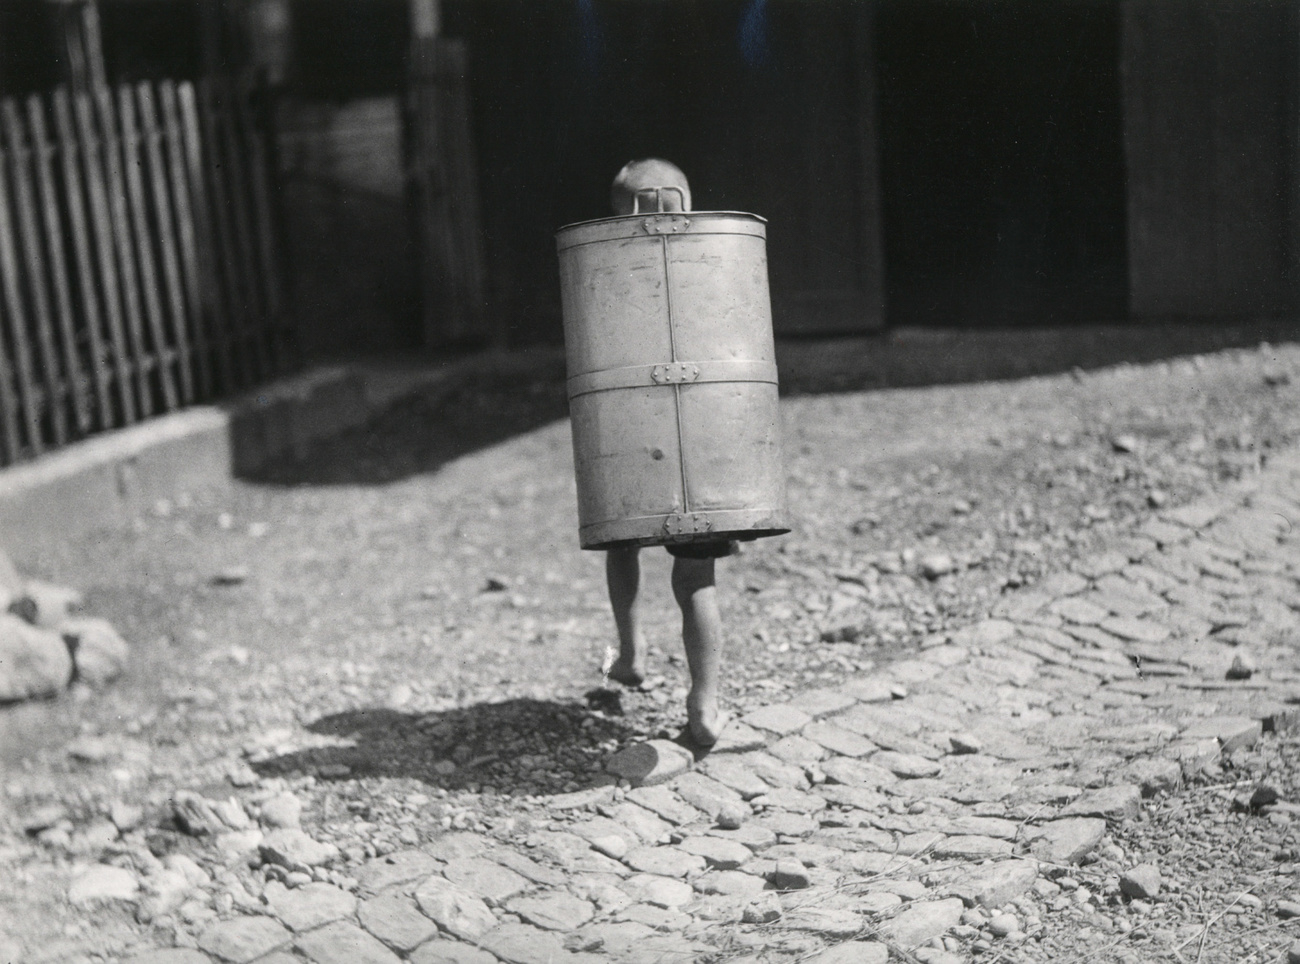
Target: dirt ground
428	564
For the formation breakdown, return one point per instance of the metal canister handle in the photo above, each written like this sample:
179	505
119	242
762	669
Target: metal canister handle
659	197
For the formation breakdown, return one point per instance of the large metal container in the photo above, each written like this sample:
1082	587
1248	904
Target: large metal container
672	379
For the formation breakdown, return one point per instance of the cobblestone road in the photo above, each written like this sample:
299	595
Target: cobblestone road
935	811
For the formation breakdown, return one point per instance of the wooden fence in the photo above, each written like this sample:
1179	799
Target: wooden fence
140	261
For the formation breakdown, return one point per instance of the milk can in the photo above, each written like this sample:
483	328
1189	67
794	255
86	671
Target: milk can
672	378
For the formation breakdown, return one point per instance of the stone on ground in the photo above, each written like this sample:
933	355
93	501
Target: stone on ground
243	939
922	921
557	911
1066	841
395	920
343	943
103	883
293	850
993	885
487	879
522	944
401	867
457	912
170	955
1116	804
853	952
449	952
49	604
309	906
34	662
1141	882
99	653
650	763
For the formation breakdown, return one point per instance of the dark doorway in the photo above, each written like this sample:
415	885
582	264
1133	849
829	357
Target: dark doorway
760	102
1002	162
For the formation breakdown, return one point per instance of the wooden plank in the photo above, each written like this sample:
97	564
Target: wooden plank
29	243
119	220
16	315
10	441
167	245
462	186
234	321
192	265
56	253
96	191
70	153
253	335
138	205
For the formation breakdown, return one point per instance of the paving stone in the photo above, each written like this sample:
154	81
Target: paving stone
995	884
523	944
453	909
1197	515
752	835
1116	804
664	861
973	846
922	921
985	826
1066	841
822	702
1136	630
243	939
730	883
402	867
171	955
657	917
527	868
838	740
459	844
986	632
704	794
598	832
879	903
557	911
649	763
832	923
662	801
786	824
450	952
789	875
923	841
343	943
779	718
614	938
659	891
858	798
293	850
308	906
484	878
857	773
1099	564
718	854
1062	584
777	772
103	884
396	921
798	750
738	737
906	765
1232	732
794	801
854	838
639	820
871	690
732	772
1076	610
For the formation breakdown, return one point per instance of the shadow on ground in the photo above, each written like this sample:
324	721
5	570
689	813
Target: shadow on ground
517	746
493	401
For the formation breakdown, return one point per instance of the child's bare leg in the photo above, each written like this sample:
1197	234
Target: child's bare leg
693	586
623	576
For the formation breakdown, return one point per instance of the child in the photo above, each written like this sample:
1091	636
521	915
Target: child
647	186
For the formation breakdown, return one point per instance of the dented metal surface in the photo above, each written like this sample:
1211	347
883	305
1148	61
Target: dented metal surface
672	379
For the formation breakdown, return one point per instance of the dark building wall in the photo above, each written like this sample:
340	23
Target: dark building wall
1002	161
765	105
1209	125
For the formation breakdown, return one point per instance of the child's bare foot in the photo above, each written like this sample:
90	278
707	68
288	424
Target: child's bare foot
631	673
706	721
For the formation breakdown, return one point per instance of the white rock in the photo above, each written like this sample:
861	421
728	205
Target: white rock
34	662
103	883
98	652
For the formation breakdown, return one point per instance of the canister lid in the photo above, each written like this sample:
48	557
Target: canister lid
665	224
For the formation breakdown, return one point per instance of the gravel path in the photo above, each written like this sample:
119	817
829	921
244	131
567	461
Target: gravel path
400	636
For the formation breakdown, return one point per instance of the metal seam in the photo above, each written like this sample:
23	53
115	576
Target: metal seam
677	389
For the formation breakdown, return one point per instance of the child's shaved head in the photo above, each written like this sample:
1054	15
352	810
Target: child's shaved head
642	177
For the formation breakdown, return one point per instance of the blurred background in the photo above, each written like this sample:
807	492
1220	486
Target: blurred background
386	176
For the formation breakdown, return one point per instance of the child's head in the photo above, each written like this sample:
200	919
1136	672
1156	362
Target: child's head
642	177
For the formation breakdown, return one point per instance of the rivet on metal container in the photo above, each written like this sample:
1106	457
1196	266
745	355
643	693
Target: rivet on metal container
672	378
